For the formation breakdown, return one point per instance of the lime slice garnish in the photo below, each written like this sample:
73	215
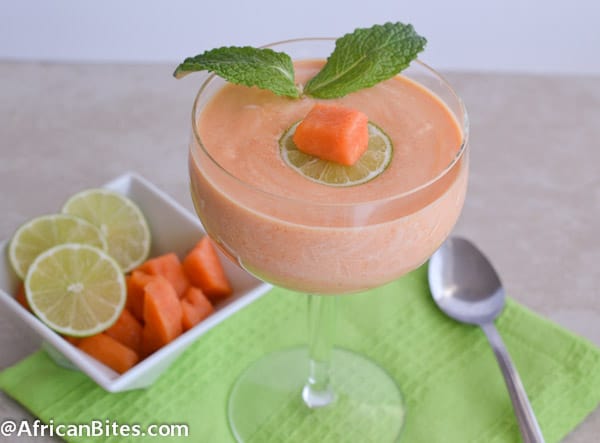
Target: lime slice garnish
76	289
371	164
119	219
42	233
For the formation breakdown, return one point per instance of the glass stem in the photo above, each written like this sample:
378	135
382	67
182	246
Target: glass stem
317	391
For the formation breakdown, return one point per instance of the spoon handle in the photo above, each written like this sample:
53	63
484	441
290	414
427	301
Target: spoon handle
530	430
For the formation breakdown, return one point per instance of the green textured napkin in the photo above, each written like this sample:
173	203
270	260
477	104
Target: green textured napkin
453	388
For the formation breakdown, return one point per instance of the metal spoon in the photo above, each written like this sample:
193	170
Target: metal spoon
466	287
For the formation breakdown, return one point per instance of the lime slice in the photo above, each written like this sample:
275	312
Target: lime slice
371	164
41	233
76	289
119	219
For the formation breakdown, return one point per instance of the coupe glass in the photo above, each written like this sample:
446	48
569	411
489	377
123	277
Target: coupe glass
323	249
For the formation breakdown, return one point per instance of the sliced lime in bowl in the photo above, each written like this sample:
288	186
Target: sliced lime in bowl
77	290
42	233
119	219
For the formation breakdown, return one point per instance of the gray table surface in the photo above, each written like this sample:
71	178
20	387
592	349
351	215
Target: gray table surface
533	203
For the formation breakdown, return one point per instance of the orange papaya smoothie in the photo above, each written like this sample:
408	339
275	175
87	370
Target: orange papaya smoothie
312	237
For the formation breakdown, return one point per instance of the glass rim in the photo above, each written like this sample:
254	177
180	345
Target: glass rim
401	195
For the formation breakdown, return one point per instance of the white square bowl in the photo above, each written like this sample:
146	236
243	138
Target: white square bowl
173	229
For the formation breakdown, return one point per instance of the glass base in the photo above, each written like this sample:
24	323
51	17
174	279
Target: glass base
266	404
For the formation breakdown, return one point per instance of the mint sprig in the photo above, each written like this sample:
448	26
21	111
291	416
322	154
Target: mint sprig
364	58
246	65
360	60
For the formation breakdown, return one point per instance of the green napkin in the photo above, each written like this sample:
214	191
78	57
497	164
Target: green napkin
452	385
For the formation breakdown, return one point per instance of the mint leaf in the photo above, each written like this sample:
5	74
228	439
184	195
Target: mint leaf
247	66
364	58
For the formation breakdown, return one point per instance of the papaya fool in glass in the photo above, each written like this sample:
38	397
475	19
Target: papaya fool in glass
313	237
295	229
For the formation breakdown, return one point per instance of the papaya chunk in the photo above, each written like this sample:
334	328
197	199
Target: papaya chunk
204	270
162	315
127	330
136	282
22	298
334	133
169	266
109	351
195	307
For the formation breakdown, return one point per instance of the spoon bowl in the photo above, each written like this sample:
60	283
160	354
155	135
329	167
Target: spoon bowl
464	283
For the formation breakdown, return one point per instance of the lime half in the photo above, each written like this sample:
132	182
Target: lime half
371	164
119	219
44	232
76	289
